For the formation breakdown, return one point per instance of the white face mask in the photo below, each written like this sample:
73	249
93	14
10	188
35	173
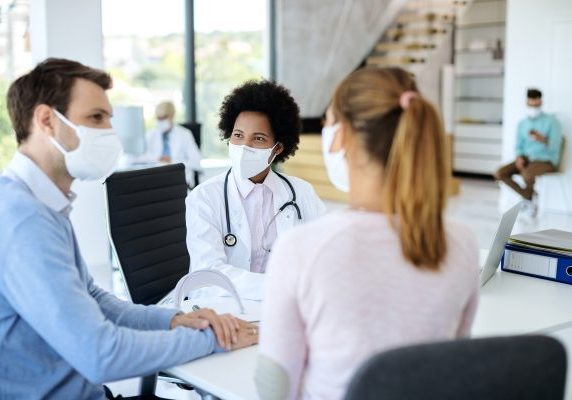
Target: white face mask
95	156
336	163
248	161
163	125
532	112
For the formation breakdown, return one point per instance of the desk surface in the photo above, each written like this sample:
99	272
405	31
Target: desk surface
508	304
229	376
516	304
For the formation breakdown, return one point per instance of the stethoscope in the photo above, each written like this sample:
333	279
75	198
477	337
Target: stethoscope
230	238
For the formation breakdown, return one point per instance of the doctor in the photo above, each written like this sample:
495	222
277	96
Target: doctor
171	143
233	219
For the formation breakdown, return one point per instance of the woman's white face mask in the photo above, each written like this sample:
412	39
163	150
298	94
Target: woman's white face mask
248	161
336	163
96	155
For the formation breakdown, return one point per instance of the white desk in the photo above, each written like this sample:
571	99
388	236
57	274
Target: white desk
512	304
509	304
229	376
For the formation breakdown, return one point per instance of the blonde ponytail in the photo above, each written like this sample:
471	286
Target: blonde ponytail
415	184
403	132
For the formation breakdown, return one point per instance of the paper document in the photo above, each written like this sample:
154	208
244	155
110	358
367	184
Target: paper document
552	239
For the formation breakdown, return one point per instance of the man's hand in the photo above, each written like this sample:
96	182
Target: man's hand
539	137
520	163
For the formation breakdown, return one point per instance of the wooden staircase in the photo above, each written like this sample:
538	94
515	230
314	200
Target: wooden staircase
416	35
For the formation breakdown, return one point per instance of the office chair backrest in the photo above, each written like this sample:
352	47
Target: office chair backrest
195	129
518	367
146	213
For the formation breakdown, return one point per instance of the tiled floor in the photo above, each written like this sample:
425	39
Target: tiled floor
476	205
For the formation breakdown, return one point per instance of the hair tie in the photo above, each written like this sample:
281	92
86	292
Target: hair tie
406	97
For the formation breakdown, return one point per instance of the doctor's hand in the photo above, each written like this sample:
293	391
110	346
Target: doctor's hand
189	320
225	326
247	335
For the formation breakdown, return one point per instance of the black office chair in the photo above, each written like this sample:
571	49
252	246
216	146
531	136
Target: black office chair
147	225
195	129
517	367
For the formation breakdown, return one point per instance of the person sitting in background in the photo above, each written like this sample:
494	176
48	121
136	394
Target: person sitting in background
234	218
171	143
386	272
538	145
61	336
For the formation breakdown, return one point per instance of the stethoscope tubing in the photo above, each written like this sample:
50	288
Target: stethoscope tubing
229	238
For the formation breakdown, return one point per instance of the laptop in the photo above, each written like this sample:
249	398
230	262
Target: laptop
499	241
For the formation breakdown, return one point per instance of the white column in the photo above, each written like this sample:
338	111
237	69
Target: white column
68	29
72	29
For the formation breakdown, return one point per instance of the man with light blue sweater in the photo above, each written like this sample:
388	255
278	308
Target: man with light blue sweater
538	145
61	336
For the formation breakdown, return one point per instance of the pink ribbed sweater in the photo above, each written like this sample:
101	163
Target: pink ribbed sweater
338	290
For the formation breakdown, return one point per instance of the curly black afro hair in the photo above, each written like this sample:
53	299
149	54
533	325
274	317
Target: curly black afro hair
270	99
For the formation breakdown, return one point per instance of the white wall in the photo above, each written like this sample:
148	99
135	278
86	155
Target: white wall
538	54
72	29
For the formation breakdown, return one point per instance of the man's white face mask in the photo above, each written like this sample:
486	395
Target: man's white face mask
248	161
96	155
532	112
336	163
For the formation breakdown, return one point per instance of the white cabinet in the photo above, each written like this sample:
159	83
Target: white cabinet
478	87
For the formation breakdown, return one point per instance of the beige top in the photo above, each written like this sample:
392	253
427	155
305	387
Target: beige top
339	290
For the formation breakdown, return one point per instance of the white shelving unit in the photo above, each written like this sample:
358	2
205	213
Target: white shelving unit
478	87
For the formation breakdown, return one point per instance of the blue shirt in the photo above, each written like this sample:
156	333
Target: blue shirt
60	335
549	127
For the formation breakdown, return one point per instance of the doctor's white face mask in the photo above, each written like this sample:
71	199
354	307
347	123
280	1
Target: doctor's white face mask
336	163
95	156
163	125
248	161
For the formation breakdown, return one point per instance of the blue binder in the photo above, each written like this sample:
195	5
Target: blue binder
537	263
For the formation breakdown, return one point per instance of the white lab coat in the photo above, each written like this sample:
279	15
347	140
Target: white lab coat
184	149
206	227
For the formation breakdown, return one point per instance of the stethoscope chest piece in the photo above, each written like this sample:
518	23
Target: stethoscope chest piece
229	239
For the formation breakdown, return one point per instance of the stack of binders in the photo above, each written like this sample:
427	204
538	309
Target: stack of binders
544	254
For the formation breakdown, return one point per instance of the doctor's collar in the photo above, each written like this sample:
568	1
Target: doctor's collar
245	186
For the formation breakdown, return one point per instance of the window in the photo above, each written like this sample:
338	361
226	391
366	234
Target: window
145	53
15	60
230	48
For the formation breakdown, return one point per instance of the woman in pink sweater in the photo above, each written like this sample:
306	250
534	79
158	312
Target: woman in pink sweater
386	272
